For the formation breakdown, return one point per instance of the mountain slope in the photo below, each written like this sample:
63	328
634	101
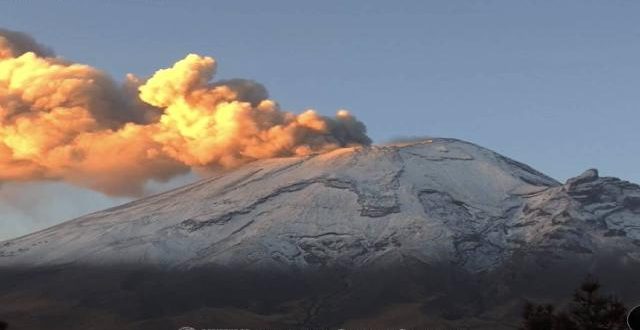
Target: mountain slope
352	204
457	234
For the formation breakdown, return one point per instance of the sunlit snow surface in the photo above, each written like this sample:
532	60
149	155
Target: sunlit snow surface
434	200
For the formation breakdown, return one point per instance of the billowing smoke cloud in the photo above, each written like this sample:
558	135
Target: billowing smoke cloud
67	121
14	44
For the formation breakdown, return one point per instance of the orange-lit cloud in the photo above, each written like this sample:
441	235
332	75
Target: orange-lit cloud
72	122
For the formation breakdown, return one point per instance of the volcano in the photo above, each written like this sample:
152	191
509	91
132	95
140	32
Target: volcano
438	232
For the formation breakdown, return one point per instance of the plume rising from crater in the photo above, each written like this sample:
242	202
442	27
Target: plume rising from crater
61	120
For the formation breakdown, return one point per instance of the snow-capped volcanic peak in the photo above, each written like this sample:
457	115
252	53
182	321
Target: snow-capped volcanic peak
434	200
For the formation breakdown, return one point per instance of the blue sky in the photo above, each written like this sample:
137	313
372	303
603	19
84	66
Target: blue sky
553	84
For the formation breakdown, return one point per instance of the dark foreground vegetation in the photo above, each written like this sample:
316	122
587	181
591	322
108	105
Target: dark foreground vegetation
588	310
410	294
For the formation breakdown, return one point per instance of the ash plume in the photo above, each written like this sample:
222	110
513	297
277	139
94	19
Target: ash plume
61	120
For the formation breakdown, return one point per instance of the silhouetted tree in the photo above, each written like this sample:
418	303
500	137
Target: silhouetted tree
592	311
588	310
537	316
